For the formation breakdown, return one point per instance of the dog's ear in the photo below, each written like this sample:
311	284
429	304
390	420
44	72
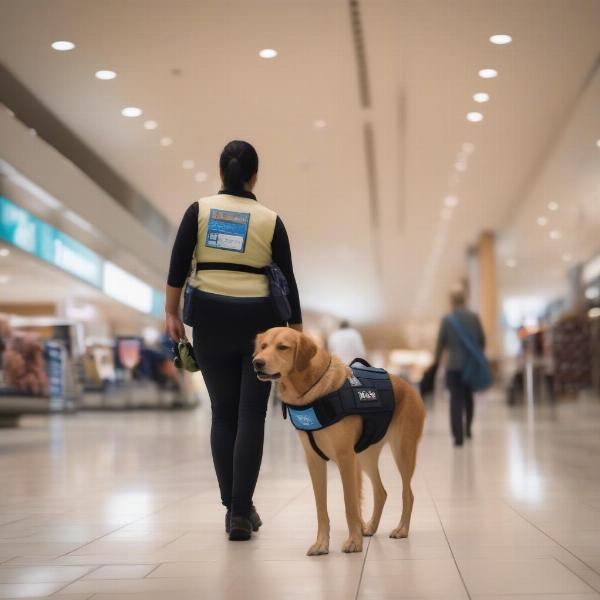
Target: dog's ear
305	350
257	342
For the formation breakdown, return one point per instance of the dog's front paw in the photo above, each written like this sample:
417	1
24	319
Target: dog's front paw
352	545
318	548
399	532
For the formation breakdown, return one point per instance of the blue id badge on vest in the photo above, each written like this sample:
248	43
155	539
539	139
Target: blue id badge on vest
227	230
304	419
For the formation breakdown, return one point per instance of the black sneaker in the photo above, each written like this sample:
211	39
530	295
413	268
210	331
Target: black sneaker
255	519
240	529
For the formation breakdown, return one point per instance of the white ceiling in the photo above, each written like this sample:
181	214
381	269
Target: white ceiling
422	56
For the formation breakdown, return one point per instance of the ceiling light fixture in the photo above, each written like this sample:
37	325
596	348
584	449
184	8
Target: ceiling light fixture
131	112
320	124
450	201
488	73
500	39
555	234
3	279
553	206
166	141
4	252
541	221
468	147
63	45
598	143
188	164
267	53
460	166
201	177
511	263
150	125
105	75
481	97
474	117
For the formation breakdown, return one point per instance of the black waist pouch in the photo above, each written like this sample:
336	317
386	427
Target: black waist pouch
279	290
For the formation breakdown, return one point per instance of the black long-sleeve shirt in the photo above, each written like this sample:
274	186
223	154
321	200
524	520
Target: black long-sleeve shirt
187	237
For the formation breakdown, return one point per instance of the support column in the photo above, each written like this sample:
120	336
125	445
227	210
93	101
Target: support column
488	290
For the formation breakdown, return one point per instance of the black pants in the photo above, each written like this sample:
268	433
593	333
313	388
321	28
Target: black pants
223	344
461	405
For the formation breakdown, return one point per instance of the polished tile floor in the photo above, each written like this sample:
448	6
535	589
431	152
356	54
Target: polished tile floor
115	506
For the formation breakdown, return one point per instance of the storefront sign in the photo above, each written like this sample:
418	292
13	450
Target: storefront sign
25	231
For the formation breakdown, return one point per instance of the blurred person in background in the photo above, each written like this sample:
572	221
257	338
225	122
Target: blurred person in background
450	342
231	237
346	343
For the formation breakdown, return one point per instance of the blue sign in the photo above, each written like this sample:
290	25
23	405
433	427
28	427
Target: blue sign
227	230
27	232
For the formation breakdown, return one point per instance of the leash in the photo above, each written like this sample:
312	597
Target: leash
318	380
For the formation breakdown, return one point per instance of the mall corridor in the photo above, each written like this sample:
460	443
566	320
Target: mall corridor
112	509
356	208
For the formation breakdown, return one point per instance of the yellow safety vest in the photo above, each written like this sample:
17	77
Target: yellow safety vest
233	229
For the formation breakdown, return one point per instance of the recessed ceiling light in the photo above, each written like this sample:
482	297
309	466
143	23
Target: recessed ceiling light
4	252
267	53
150	125
63	45
592	292
481	97
598	143
541	221
131	111
201	177
166	141
511	263
555	234
4	279
566	257
468	147
594	313
188	164
105	75
501	39
553	206
474	117
320	124
450	201
488	73
460	166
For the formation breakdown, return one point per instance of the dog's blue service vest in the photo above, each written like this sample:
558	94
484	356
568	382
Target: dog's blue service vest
368	393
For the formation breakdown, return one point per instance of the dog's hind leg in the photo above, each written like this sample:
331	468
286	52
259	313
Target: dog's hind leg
369	461
404	450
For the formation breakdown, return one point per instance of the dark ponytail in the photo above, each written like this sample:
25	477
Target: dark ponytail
238	163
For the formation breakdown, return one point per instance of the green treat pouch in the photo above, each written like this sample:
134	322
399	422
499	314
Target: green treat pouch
184	357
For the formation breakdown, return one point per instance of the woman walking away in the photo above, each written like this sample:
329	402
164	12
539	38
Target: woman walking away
231	239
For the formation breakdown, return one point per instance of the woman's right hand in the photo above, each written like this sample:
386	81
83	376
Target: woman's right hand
175	328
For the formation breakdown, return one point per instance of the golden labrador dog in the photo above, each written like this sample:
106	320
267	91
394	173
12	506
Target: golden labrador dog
305	372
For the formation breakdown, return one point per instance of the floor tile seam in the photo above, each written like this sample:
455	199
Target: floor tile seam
554	540
362	569
93	570
576	574
122	527
448	542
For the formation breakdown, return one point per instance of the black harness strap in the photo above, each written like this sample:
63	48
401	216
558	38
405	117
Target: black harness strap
313	444
222	266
